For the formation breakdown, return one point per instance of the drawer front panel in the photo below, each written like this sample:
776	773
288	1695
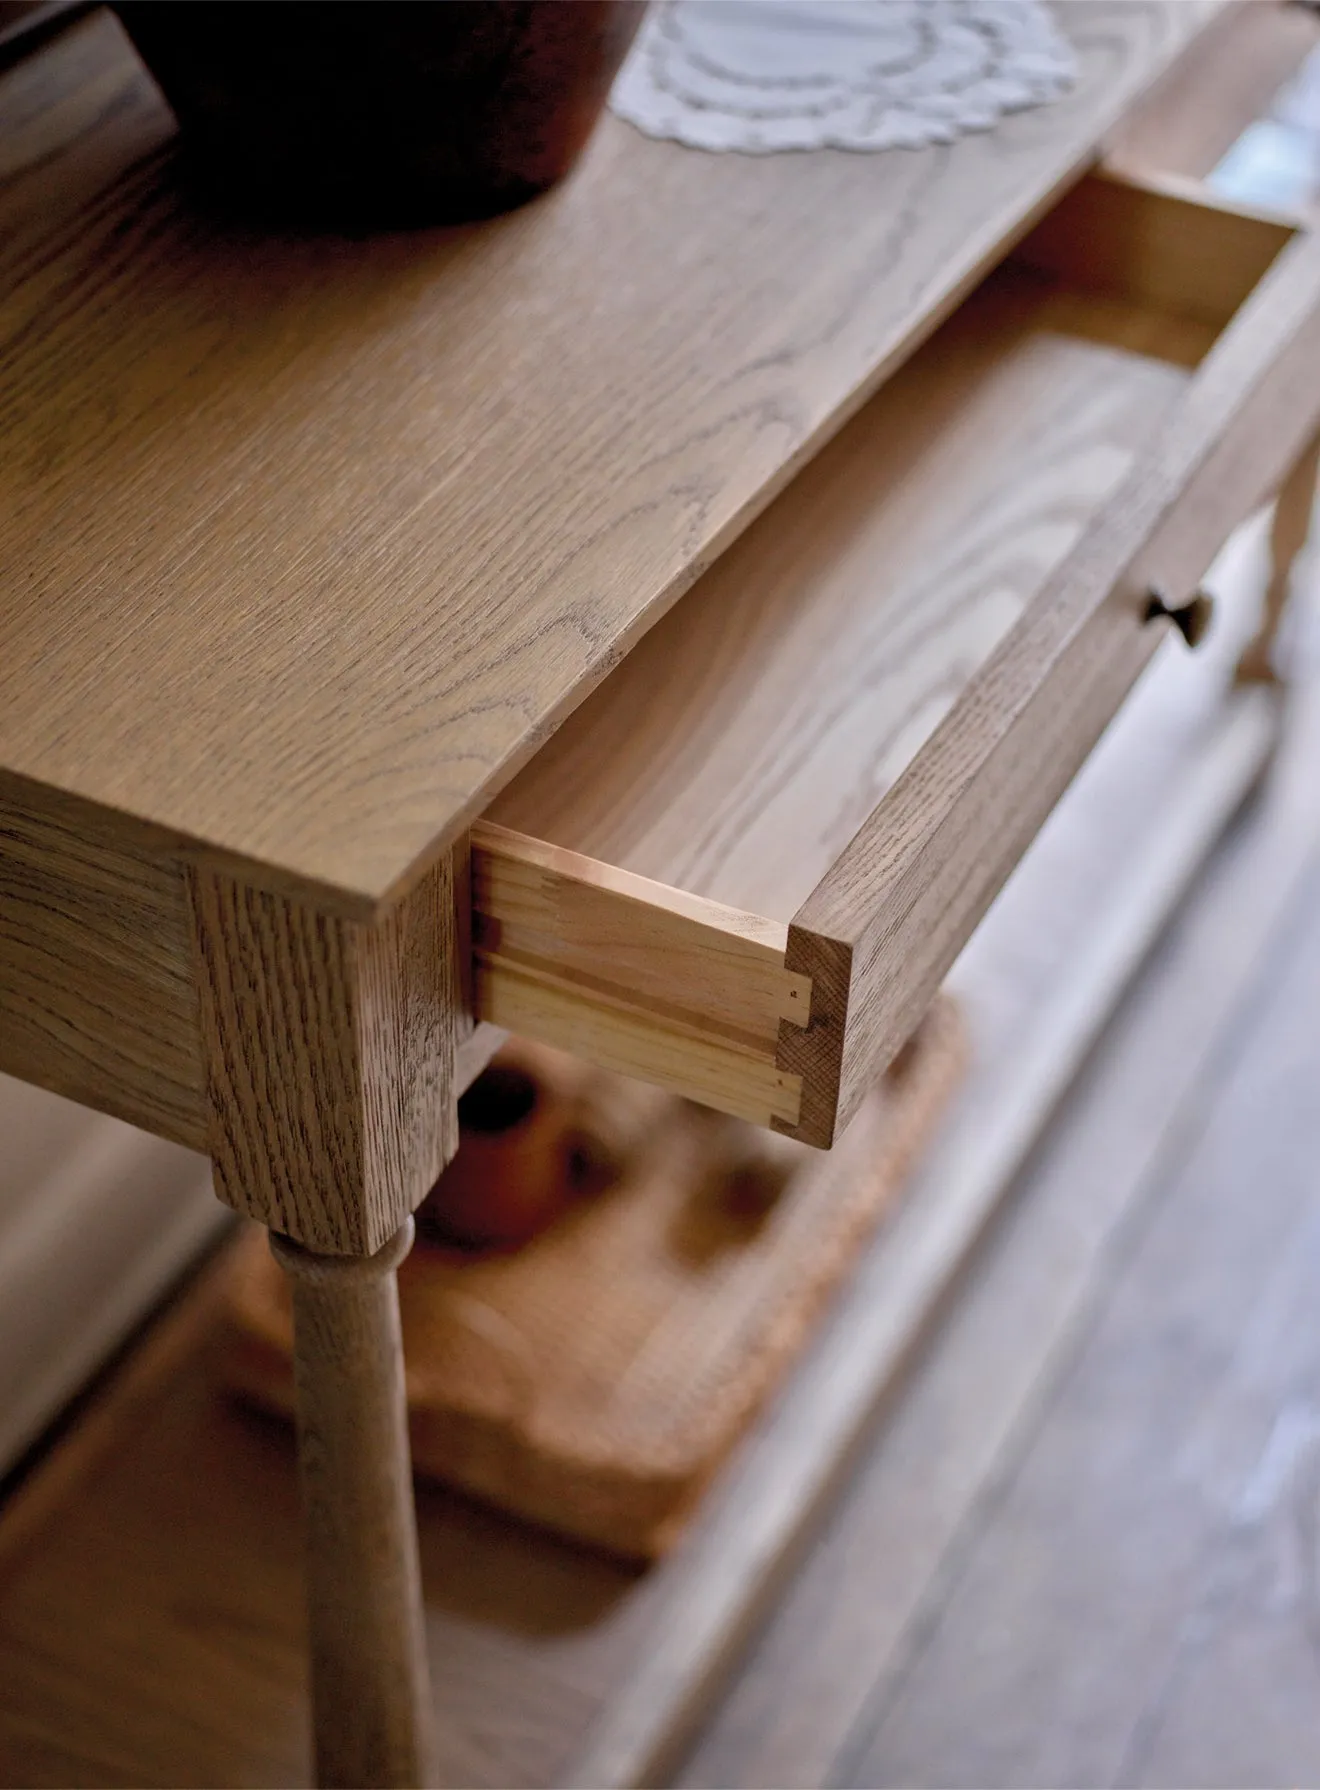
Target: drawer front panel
882	928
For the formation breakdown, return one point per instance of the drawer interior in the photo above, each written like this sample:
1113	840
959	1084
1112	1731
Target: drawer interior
748	735
633	888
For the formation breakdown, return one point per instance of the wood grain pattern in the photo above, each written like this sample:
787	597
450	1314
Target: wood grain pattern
671	1052
370	1681
630	974
744	741
1163	241
309	543
97	975
539	905
330	1057
97	998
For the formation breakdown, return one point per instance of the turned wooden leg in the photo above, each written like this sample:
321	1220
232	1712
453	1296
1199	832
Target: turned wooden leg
330	1047
370	1688
1291	526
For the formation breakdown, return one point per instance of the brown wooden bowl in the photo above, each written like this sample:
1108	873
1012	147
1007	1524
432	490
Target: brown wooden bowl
371	113
511	1177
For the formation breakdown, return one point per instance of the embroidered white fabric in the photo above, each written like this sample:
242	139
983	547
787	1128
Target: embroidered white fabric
765	75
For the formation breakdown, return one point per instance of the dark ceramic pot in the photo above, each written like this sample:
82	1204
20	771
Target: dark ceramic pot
367	113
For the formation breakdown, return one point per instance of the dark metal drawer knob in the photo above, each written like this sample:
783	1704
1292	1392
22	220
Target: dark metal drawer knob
1192	618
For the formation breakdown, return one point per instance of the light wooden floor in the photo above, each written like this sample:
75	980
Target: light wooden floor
1085	1549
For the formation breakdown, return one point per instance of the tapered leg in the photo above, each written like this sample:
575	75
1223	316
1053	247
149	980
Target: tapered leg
330	1049
1291	526
370	1688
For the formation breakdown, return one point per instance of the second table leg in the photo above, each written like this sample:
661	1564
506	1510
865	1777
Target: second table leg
1288	534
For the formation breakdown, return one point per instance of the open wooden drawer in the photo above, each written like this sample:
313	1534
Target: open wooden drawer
743	866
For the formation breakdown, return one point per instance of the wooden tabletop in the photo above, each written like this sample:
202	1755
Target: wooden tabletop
307	543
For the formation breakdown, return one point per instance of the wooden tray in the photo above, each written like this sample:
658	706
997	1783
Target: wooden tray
595	1380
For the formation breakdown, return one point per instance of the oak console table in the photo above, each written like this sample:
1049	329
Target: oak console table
344	578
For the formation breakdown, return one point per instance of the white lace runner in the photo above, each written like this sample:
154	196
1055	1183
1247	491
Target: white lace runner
765	75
